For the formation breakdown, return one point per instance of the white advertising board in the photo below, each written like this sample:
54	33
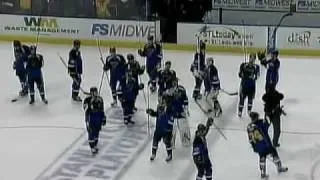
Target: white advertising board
222	35
75	28
298	38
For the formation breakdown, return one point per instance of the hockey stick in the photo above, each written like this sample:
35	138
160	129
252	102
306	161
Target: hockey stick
102	77
244	41
66	66
207	113
273	36
101	59
229	93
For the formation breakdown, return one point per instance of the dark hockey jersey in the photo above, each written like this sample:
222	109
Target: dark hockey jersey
75	62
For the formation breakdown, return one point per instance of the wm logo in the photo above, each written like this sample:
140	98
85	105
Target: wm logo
41	22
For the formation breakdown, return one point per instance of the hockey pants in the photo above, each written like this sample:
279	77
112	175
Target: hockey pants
23	81
263	156
204	169
243	97
166	139
197	88
40	86
275	120
181	125
93	134
76	85
153	74
127	107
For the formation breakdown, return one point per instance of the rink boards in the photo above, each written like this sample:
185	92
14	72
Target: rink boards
132	34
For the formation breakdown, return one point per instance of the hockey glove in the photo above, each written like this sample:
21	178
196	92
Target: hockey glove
140	52
141	86
150	111
261	56
142	69
104	121
209	122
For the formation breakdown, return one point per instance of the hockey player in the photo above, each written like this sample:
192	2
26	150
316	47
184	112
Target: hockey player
34	65
21	53
272	75
116	64
128	92
261	144
180	108
75	69
273	111
272	65
94	117
212	85
248	73
164	125
197	69
134	67
153	53
200	152
166	78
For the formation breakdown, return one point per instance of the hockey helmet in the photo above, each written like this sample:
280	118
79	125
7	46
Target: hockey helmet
76	42
200	129
275	52
93	91
210	60
252	57
202	45
150	38
254	116
112	50
16	43
130	57
33	49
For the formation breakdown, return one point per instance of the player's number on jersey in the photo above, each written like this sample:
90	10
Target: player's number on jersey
256	136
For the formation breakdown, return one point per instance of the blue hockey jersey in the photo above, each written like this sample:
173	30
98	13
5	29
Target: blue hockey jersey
211	78
34	65
196	64
128	90
75	62
259	137
117	66
272	76
164	121
21	56
200	150
94	110
153	54
248	73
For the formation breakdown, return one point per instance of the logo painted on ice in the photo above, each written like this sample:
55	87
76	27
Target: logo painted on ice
118	147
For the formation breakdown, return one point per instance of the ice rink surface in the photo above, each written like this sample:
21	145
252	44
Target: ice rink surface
34	138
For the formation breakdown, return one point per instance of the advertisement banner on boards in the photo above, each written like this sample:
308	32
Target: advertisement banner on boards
270	5
222	35
308	5
298	38
76	28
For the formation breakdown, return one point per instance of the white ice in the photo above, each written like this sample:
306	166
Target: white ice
33	136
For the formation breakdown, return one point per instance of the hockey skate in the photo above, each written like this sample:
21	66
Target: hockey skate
282	169
31	101
44	100
153	89
239	114
264	176
76	98
23	93
94	150
153	156
169	158
114	103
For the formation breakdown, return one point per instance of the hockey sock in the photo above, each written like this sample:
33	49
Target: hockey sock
154	150
91	144
262	165
277	162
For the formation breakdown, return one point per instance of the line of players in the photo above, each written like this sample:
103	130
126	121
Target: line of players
173	101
